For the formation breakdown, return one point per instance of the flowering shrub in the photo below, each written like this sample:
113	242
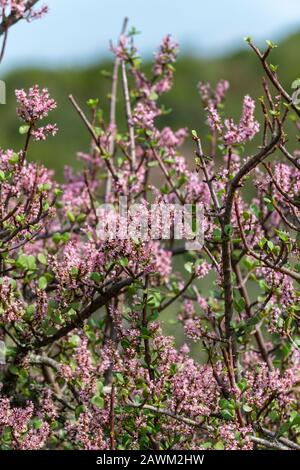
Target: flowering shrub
12	11
87	363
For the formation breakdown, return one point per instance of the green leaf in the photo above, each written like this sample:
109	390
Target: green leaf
274	416
98	131
57	192
80	409
96	277
284	428
242	385
43	283
26	262
14	158
227	415
14	370
51	331
154	316
295	419
24	129
296	84
255	210
152	164
97	401
92	103
81	218
226	404
262	243
44	187
145	334
228	229
153	96
282	235
57	238
37	423
219	445
71	217
271	44
29	314
240	305
119	378
74	271
124	262
74	340
247	408
217	234
42	258
189	267
125	343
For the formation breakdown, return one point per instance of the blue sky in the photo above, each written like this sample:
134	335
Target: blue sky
78	32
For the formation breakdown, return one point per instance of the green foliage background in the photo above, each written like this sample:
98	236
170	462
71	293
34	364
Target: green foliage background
242	69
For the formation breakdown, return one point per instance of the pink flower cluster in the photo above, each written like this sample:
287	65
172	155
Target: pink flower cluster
263	385
35	105
75	264
235	133
235	437
144	115
22	9
11	307
166	55
25	437
247	128
170	139
163	70
203	269
124	50
213	97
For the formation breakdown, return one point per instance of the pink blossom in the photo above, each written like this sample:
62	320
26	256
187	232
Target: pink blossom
168	138
11	307
143	116
213	97
23	9
247	128
121	51
41	132
34	105
165	55
214	119
235	437
203	269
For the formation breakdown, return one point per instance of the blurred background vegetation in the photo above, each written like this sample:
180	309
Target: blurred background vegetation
241	68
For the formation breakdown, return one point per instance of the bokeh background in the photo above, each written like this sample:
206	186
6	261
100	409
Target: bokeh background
68	50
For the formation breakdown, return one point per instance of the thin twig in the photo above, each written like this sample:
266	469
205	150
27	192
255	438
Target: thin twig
128	115
4	43
94	136
113	106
